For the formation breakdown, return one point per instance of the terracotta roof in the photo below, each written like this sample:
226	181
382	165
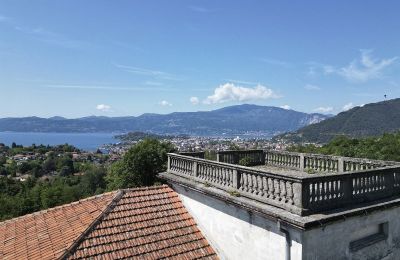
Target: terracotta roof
47	234
145	223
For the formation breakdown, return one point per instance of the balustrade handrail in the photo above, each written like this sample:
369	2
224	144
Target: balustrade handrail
240	151
298	192
237	167
342	162
355	159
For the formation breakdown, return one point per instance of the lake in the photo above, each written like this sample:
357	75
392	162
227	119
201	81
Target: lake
84	141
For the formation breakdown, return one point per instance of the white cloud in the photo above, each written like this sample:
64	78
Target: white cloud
323	109
165	103
311	87
287	107
276	62
311	71
3	18
153	83
148	72
362	70
110	87
194	100
53	37
229	92
243	82
348	106
103	108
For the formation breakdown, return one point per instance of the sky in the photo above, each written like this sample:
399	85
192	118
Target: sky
124	58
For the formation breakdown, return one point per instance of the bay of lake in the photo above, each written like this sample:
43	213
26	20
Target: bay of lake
84	141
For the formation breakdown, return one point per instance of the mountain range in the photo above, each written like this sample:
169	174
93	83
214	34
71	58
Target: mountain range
372	119
232	120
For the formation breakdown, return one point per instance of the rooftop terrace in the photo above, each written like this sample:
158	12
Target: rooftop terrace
302	184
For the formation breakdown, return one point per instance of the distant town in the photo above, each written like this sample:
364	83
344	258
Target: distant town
20	162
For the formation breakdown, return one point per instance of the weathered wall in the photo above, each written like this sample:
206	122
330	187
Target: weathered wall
236	233
332	241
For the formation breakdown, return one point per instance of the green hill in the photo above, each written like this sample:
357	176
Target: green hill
369	120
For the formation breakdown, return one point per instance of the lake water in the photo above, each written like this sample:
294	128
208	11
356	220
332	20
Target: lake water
84	141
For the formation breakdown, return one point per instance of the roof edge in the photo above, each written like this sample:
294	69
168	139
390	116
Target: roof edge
7	221
71	249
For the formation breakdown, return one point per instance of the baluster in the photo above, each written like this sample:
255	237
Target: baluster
290	194
251	182
277	189
283	191
264	186
245	182
312	193
241	181
225	177
318	192
270	186
255	184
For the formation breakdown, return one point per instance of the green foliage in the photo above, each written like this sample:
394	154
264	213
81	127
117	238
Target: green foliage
210	155
234	193
234	147
370	120
245	161
385	147
140	165
19	198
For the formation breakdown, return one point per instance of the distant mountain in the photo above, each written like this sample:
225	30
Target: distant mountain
231	120
369	120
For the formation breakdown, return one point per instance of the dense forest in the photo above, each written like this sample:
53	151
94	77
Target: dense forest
363	121
384	147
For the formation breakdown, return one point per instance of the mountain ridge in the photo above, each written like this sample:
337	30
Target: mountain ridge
236	119
372	119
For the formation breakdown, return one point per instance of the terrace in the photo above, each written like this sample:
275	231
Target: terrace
300	183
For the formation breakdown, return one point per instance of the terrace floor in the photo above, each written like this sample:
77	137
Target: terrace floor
279	170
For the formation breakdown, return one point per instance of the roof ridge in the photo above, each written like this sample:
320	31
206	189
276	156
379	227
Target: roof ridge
72	248
154	187
57	207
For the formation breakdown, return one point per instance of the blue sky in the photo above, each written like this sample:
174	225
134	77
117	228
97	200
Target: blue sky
115	58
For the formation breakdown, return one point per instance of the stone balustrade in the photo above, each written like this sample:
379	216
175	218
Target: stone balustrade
298	192
284	159
321	163
254	157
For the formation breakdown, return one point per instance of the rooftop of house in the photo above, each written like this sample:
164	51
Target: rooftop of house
145	223
303	189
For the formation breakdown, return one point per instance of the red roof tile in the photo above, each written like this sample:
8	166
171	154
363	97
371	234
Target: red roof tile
47	234
145	223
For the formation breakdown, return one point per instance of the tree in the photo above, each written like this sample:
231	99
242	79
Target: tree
140	165
66	163
49	165
65	171
24	167
3	160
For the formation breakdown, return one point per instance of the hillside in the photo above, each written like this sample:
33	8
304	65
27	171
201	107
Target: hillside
369	120
229	120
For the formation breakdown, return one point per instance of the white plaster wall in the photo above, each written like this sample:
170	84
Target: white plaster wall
332	241
236	233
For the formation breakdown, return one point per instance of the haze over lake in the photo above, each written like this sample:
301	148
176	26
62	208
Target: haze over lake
84	141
